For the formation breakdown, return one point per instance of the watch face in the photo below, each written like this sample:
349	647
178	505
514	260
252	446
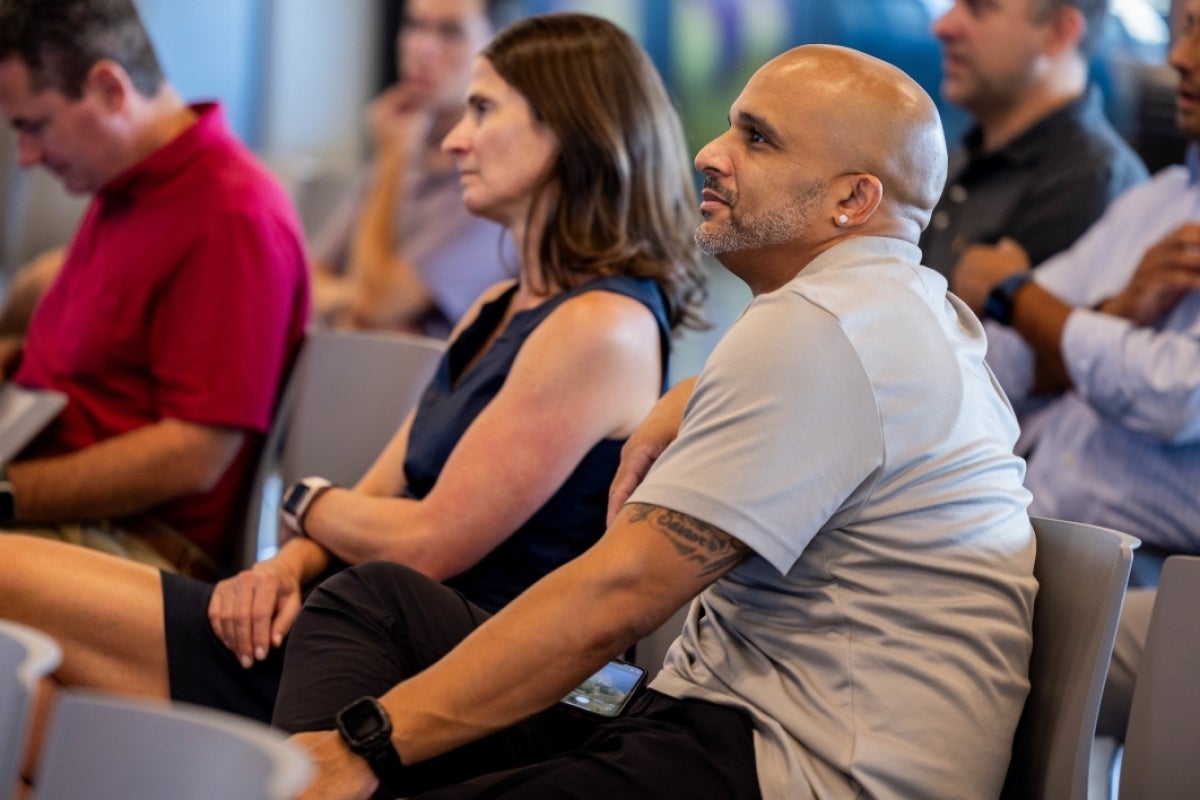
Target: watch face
364	721
294	498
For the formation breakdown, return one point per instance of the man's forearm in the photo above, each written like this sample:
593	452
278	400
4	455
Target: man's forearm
126	474
1040	317
27	289
544	643
386	288
560	630
534	655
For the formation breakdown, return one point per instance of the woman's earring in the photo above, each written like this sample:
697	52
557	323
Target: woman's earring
842	219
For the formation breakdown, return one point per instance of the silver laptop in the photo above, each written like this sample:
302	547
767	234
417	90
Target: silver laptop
23	415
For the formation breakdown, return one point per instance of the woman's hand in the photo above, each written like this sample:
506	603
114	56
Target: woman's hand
252	611
646	444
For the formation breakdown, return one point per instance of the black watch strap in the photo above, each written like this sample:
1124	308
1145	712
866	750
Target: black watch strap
1002	298
385	763
366	729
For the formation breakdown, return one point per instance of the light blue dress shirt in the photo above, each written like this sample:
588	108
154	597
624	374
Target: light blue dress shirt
1122	449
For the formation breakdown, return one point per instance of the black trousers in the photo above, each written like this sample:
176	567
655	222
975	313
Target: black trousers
369	627
200	668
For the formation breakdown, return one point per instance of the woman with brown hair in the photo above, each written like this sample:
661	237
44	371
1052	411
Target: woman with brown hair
570	142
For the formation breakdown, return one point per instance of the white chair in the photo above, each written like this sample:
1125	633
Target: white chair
346	396
1161	760
106	747
1082	571
25	656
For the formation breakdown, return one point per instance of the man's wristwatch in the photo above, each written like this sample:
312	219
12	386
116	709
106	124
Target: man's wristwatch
366	729
1002	297
298	498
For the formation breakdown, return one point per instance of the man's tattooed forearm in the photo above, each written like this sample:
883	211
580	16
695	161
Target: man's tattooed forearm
710	547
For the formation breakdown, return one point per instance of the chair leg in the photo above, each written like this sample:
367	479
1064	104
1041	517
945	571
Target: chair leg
1114	771
1104	768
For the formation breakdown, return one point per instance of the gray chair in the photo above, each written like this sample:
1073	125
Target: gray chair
1161	760
39	214
26	655
1082	571
346	396
106	747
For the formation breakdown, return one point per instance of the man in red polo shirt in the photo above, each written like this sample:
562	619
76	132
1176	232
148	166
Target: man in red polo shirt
179	304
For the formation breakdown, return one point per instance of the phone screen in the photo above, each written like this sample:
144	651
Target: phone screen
608	691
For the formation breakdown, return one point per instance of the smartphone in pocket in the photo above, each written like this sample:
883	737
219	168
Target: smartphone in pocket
607	692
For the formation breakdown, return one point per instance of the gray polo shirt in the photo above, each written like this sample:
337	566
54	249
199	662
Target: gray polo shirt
847	430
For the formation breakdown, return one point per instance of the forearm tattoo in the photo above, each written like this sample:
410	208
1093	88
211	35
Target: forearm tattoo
714	550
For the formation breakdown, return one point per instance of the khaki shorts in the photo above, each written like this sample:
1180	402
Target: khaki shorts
152	543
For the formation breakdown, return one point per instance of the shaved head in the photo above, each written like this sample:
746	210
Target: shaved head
877	120
824	144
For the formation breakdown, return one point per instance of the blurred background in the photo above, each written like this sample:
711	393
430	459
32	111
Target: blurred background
295	75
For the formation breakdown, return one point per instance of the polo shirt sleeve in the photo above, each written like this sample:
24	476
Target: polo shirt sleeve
781	437
225	321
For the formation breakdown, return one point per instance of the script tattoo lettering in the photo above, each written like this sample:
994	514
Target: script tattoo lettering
710	547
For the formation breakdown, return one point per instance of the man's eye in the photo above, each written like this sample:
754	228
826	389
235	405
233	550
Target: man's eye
755	137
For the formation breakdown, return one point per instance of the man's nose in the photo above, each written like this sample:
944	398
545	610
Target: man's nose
711	158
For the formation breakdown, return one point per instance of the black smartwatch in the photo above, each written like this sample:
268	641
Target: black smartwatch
1002	297
366	729
298	497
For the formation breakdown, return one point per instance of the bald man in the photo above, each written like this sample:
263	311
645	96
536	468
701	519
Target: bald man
838	501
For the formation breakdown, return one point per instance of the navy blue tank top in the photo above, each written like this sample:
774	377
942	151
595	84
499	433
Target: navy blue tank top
570	521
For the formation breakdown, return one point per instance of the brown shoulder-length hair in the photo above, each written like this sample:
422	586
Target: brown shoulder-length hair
620	199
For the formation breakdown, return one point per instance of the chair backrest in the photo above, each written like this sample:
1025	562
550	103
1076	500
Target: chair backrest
651	650
1082	571
107	747
346	396
25	656
1162	742
39	214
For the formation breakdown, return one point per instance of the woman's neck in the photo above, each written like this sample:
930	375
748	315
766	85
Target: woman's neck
527	234
532	287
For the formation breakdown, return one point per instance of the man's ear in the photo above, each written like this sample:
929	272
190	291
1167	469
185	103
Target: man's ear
108	82
1065	29
860	194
